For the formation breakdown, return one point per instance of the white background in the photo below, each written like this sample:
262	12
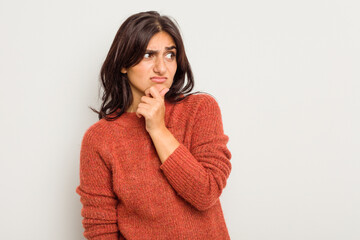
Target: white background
285	74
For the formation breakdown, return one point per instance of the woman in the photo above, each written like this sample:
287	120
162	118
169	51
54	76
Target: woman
156	162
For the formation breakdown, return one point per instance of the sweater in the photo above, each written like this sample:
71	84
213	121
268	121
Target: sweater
127	193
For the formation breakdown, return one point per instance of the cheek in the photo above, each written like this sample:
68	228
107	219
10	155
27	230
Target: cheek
173	68
139	72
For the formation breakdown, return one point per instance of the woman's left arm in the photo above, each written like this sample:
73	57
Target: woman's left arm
198	174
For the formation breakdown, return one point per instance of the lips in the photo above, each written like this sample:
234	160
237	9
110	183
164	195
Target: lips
158	79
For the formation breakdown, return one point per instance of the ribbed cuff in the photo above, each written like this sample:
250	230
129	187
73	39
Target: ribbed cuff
182	169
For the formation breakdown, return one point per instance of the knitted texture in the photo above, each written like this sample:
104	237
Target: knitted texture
127	193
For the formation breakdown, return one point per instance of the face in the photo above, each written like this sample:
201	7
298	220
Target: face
158	65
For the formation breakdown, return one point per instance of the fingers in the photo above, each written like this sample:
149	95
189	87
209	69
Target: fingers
160	93
156	91
146	99
153	96
141	108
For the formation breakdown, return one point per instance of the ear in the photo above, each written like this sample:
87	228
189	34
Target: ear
123	70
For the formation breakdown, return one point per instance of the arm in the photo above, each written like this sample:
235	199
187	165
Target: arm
199	174
96	195
164	142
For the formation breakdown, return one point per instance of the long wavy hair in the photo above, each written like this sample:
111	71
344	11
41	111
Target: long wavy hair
127	50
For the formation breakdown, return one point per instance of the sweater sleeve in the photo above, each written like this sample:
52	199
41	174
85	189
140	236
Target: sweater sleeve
199	174
96	195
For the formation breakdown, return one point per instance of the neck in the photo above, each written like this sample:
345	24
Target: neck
135	102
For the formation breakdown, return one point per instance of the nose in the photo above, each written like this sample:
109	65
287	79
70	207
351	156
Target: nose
160	66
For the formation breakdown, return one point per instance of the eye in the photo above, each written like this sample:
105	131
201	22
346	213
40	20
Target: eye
147	55
170	55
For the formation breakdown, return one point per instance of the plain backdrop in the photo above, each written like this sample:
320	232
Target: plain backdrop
285	74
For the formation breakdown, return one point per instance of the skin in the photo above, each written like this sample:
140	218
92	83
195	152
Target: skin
148	97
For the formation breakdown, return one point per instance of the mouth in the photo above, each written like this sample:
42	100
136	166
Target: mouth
158	79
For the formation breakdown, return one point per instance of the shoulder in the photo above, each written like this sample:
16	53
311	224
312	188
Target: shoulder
198	101
203	103
97	133
196	97
194	107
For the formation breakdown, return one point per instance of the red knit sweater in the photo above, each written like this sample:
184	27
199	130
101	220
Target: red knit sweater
127	193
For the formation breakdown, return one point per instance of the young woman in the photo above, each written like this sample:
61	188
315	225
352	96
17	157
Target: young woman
156	162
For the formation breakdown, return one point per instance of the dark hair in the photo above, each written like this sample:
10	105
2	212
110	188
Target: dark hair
127	50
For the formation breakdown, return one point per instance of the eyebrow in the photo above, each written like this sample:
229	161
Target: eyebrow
156	51
169	48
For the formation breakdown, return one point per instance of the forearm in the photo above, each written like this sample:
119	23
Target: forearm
164	142
198	169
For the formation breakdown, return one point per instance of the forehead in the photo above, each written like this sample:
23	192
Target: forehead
160	41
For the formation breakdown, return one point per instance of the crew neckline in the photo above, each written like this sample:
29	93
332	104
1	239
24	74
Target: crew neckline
130	119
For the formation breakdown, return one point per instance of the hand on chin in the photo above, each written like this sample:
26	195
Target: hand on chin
152	107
